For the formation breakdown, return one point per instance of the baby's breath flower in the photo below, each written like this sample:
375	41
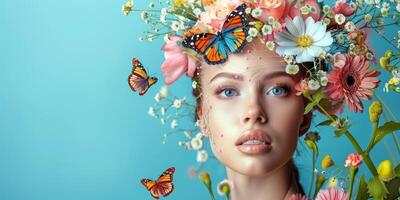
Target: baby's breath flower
292	69
340	19
164	91
162	120
367	17
174	123
305	10
140	38
197	11
369	2
313	84
340	38
248	10
163	19
270	45
163	110
276	25
249	38
164	11
194	84
288	59
199	135
324	81
127	7
223	188
327	21
175	26
177	103
256	13
350	26
152	111
326	9
196	143
369	56
188	134
202	156
384	12
151	5
266	29
253	32
157	97
271	20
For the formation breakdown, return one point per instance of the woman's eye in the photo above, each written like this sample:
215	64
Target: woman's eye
279	91
228	92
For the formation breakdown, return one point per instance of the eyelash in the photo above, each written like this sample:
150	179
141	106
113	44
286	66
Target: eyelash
285	87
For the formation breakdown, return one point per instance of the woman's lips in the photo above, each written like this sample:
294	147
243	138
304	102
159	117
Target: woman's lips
254	142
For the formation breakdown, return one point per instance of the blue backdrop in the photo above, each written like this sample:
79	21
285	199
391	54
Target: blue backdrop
70	127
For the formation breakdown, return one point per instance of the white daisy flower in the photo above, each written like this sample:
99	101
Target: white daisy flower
175	26
306	40
369	56
256	13
253	32
177	103
288	59
202	156
196	143
292	69
350	26
266	29
340	19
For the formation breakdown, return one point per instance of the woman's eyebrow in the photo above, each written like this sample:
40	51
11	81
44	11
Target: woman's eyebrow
228	75
278	74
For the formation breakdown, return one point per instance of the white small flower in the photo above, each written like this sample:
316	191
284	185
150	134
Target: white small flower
163	19
249	38
197	11
266	29
277	26
288	59
324	81
248	10
321	73
152	112
157	97
163	110
326	9
182	25
144	15
377	2
188	134
164	91
340	19
196	143
367	18
202	156
174	124
386	5
162	120
175	26
386	88
327	21
305	10
292	69
127	7
194	84
369	2
140	38
222	184
369	56
253	32
199	135
197	123
256	13
313	84
164	11
384	12
177	103
151	5
340	38
271	20
270	45
398	7
312	9
330	14
350	26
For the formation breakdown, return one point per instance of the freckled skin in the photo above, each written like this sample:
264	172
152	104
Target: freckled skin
233	116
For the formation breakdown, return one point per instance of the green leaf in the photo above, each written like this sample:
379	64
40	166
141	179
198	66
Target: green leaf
393	187
377	189
325	123
362	193
316	98
386	128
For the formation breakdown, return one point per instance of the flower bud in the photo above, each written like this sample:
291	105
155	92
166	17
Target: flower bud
326	162
386	170
205	177
375	110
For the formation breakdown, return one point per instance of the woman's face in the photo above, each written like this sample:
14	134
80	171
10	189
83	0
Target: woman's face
250	111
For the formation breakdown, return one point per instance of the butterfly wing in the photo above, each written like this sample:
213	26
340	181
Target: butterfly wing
216	53
234	30
152	187
138	80
164	182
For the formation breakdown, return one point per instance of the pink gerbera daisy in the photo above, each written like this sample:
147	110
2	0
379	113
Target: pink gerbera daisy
298	197
331	194
351	79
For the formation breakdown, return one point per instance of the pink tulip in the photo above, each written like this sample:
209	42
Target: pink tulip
176	61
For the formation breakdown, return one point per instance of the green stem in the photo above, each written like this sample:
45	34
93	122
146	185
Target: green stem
312	176
353	172
211	193
372	140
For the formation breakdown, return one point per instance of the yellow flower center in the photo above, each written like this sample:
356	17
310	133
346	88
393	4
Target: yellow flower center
304	41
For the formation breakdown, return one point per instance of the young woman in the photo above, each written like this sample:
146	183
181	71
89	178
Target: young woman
249	110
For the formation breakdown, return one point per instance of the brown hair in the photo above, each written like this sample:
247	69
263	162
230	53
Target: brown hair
294	172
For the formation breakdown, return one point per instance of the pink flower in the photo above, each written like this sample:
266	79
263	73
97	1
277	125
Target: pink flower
298	197
353	160
301	87
275	8
176	61
295	10
331	194
341	7
351	79
216	13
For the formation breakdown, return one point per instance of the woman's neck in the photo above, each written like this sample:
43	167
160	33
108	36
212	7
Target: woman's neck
275	185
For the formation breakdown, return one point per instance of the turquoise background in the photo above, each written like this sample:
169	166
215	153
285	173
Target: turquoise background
71	128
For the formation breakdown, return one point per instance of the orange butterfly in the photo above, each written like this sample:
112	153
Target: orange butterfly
162	186
138	79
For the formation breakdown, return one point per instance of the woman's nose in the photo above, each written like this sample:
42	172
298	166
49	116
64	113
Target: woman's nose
255	113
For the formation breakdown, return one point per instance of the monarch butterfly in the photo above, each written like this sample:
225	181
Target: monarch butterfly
232	37
139	80
162	186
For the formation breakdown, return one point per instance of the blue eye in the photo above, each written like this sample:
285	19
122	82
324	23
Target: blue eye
228	92
279	90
